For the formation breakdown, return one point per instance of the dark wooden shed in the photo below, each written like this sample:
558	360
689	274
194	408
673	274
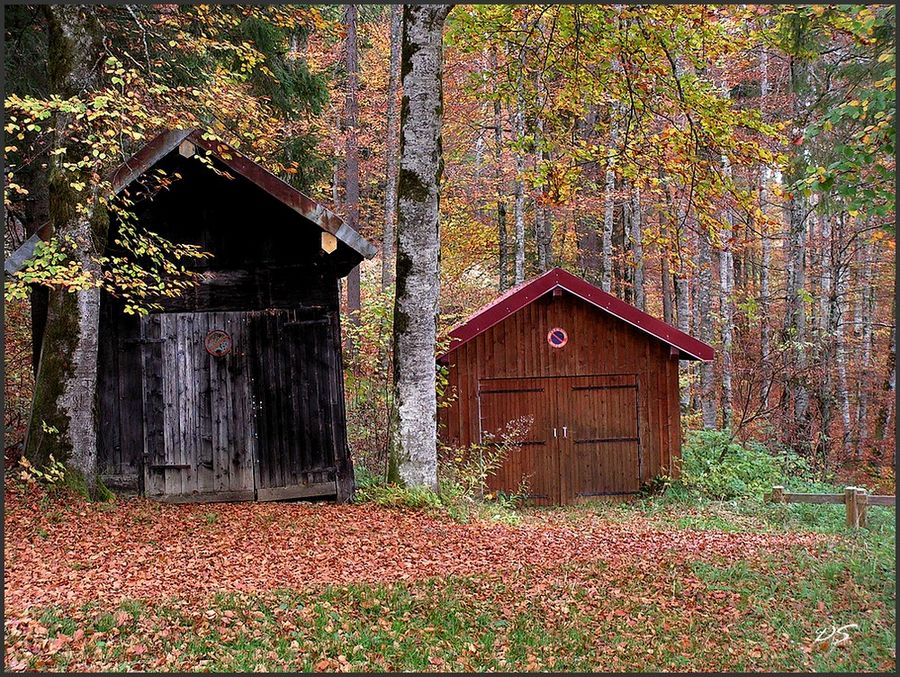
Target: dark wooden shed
597	377
235	391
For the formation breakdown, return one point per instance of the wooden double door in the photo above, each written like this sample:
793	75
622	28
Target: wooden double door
240	405
583	440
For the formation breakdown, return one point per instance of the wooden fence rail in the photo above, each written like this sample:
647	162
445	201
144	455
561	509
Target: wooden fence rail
855	499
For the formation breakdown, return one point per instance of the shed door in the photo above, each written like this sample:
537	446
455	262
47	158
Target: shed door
534	459
198	432
584	440
295	384
600	452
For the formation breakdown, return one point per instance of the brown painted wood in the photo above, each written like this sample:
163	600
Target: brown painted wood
533	461
628	391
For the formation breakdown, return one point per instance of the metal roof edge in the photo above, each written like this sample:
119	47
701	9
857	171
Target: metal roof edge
504	306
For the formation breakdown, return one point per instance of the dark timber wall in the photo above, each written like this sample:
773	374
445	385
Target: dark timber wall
605	407
266	420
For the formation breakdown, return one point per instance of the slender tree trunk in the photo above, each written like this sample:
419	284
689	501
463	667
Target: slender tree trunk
726	288
519	209
637	248
765	242
351	176
391	151
542	221
502	235
838	332
726	302
867	304
608	217
586	223
795	317
414	453
883	419
667	291
64	408
704	320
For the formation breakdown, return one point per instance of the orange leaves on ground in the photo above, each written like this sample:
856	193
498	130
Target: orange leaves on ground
138	550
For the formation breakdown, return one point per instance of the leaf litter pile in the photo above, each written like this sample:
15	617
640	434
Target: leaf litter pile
141	585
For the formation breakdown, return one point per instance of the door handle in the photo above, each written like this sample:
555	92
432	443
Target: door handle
565	434
554	432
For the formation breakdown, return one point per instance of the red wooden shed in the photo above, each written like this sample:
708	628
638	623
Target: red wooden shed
597	377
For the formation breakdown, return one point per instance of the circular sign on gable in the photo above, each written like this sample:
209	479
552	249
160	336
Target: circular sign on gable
218	343
557	337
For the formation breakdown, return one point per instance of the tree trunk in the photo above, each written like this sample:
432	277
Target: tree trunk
726	302
64	408
391	152
795	317
704	321
351	176
519	208
585	221
867	305
502	236
883	420
414	452
637	248
608	217
542	224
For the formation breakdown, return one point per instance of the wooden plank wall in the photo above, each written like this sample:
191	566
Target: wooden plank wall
598	344
294	381
265	258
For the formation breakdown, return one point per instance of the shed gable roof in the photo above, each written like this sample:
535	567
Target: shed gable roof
520	296
166	142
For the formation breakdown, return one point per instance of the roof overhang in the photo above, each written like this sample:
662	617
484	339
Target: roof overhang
166	142
515	299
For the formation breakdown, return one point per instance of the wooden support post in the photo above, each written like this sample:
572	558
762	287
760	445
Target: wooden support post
862	504
850	503
778	494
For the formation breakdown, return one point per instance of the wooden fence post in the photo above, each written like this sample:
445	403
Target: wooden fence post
862	505
777	494
850	504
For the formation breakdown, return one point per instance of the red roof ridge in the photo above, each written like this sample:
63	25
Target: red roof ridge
527	292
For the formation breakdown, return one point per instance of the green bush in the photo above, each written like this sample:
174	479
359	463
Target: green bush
394	495
717	466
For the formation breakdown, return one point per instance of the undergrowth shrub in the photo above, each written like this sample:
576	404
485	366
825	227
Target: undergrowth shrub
715	465
462	477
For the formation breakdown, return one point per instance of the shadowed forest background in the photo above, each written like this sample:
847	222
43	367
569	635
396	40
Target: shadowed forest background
727	169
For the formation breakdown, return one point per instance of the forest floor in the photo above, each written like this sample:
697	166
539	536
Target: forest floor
657	585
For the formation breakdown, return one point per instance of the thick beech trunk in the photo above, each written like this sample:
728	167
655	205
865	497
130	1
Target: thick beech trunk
64	413
414	452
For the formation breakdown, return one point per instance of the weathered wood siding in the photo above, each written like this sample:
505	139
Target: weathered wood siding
614	388
266	420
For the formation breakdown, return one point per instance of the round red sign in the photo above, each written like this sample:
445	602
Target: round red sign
557	337
218	343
